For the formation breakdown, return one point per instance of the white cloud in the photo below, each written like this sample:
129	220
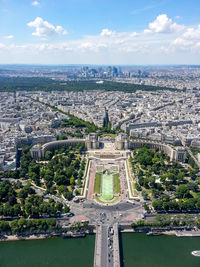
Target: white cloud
9	37
190	39
35	3
89	46
106	32
192	33
44	29
182	42
163	24
2	46
110	46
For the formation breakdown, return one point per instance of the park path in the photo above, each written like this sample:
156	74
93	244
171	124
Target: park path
91	181
122	180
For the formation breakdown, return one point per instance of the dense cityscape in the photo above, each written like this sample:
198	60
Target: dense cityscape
55	148
171	117
99	133
178	77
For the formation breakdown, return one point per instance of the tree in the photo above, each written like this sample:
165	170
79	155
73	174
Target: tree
72	180
77	163
66	209
67	195
17	210
138	187
21	224
34	172
85	225
180	177
14	227
173	205
182	191
60	179
192	174
190	204
12	200
51	223
59	207
4	226
77	193
144	195
193	187
48	155
145	156
157	204
198	202
61	188
146	207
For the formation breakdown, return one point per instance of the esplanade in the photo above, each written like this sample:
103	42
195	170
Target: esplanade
121	142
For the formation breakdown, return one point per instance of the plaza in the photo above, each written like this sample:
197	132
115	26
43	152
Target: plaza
107	182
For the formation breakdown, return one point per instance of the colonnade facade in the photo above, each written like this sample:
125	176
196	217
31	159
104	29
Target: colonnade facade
122	142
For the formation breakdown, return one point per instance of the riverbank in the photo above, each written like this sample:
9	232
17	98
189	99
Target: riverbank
159	231
192	233
150	232
40	236
30	237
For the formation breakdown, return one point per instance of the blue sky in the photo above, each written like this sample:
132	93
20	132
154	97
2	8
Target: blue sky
100	31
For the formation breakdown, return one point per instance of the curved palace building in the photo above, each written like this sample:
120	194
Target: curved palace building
122	142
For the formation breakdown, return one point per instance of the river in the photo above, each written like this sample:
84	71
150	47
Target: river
139	250
53	252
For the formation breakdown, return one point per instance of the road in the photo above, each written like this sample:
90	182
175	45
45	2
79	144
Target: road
104	245
114	214
107	245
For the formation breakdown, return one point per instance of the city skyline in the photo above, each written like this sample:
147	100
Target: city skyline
98	32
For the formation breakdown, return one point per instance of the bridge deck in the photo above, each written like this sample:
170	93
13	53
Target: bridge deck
107	252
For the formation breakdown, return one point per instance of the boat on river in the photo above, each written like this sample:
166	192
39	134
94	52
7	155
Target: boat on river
153	233
196	253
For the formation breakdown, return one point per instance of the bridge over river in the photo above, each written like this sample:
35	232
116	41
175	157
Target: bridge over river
107	252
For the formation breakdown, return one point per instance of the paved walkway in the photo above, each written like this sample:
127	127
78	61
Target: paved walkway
122	181
91	181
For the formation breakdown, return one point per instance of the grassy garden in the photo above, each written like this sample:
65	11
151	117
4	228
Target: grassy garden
116	183
61	173
97	183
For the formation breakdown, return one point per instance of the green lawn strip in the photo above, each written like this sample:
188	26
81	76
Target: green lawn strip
97	183
116	183
111	135
107	187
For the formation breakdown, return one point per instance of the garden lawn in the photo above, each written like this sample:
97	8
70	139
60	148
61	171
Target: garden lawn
107	186
116	183
97	183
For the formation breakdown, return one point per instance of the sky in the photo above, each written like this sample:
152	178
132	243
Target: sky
116	32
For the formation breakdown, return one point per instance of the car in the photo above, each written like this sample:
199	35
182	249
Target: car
71	215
